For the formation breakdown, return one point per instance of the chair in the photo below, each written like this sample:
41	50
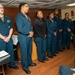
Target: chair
4	59
15	44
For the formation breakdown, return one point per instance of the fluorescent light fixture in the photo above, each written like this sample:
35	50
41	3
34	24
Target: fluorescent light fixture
72	4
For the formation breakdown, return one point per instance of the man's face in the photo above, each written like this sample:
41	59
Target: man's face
51	15
67	16
1	9
25	8
40	14
56	11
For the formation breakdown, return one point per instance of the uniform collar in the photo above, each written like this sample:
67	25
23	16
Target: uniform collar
66	20
25	16
22	14
41	19
56	16
51	20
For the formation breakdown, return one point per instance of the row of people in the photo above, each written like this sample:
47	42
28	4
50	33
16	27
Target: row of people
47	35
51	34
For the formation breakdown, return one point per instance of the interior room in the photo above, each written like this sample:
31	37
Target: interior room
12	8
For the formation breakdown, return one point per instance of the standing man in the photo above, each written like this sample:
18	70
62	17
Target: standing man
59	31
51	35
67	28
6	30
40	33
25	35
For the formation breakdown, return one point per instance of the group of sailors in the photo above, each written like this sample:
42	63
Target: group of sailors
50	36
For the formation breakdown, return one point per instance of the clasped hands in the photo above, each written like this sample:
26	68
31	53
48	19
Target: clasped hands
69	30
6	39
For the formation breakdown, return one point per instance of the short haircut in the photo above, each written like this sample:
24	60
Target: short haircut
49	14
56	9
22	4
66	13
37	12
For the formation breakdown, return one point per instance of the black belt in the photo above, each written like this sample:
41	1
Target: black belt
23	34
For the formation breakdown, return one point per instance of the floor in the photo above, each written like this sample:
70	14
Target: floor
50	67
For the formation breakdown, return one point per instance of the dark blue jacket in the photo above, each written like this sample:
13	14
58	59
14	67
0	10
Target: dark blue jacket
5	26
40	29
59	22
51	27
67	24
23	24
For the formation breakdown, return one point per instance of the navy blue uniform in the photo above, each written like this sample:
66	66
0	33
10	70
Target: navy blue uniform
39	34
5	27
24	27
51	38
59	34
66	35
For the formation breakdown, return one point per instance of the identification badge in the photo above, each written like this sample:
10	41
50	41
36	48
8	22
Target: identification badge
8	21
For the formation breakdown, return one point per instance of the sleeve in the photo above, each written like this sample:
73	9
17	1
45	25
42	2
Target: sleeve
37	28
55	30
49	29
44	28
24	29
71	26
63	25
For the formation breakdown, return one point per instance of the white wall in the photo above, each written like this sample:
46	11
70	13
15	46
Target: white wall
63	11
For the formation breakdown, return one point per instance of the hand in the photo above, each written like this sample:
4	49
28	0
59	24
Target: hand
60	30
31	34
7	39
45	36
73	69
69	30
55	33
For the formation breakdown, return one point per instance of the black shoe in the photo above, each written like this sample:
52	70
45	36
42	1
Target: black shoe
27	71
46	59
33	64
14	67
74	49
63	48
42	61
57	52
68	47
60	50
50	56
54	54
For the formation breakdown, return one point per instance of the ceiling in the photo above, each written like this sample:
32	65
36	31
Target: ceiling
49	4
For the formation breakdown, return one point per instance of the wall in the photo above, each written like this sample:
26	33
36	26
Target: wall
63	11
12	12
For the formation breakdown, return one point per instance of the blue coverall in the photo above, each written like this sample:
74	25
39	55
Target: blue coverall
51	38
24	27
59	34
66	35
5	27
